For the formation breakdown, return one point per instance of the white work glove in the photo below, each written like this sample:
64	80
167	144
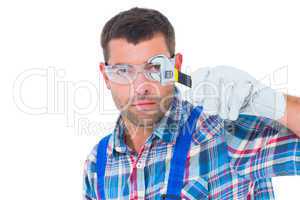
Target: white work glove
228	92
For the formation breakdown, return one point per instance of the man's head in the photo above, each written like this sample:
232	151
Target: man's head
132	37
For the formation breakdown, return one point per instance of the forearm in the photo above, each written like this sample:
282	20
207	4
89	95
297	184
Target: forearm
291	118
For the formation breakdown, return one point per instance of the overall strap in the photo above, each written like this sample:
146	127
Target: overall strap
100	165
182	146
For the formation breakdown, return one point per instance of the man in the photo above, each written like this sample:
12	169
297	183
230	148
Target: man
165	147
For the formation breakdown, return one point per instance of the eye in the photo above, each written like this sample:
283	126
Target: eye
122	69
153	67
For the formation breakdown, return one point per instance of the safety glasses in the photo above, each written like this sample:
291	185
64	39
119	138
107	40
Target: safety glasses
154	70
158	68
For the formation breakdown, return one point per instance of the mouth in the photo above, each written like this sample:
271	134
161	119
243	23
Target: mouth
140	103
144	105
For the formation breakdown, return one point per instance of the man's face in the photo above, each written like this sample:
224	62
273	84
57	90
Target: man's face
142	101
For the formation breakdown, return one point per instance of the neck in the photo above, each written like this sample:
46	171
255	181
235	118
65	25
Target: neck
136	136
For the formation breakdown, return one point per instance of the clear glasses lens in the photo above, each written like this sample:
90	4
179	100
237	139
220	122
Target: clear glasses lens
120	73
152	71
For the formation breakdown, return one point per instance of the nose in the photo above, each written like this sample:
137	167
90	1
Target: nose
142	86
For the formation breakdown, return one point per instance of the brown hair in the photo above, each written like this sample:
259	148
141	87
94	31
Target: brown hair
136	25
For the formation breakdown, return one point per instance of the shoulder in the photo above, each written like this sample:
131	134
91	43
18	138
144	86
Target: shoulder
91	159
256	126
208	128
90	163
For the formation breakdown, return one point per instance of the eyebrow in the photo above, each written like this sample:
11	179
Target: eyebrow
117	64
126	63
122	64
131	65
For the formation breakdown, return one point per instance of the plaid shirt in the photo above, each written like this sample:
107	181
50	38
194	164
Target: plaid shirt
226	160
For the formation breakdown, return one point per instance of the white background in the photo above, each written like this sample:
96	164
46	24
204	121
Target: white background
47	132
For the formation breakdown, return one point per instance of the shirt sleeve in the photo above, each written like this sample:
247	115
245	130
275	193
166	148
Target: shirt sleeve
90	177
262	148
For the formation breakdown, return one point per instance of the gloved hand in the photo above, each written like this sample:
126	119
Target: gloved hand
228	92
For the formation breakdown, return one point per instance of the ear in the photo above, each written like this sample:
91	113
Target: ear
104	75
178	61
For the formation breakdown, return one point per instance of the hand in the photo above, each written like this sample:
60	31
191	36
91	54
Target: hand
228	92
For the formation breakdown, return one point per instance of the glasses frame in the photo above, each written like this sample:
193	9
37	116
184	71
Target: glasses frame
166	73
